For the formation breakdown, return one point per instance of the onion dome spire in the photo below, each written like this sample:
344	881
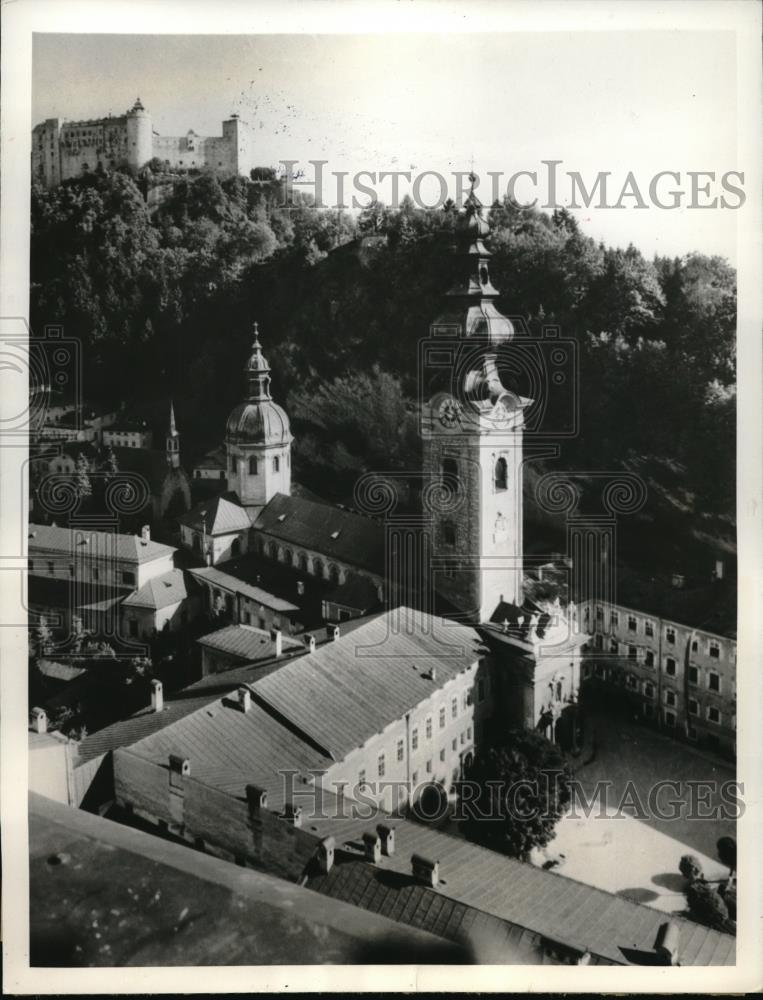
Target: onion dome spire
257	371
471	299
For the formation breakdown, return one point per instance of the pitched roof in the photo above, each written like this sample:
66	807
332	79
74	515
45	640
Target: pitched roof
214	459
492	939
351	689
97	544
59	671
335	533
356	592
222	514
229	749
136	727
226	581
246	642
547	902
159	592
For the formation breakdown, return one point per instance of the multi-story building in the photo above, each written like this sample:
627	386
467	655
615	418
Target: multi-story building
679	677
64	149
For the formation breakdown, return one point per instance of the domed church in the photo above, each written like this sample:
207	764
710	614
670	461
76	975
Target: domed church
258	515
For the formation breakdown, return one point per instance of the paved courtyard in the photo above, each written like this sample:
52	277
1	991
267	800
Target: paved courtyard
638	857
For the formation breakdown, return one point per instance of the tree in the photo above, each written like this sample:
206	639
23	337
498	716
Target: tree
517	792
707	906
43	636
109	464
690	867
82	482
727	852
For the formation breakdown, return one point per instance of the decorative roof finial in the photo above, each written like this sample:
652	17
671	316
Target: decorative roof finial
256	342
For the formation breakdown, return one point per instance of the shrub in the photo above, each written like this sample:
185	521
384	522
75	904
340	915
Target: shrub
690	867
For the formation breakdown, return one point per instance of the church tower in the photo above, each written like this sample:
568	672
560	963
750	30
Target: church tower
172	442
258	438
472	429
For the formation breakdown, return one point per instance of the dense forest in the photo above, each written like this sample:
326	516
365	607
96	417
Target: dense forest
162	283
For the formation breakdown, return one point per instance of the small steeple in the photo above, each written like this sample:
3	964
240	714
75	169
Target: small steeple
257	371
172	443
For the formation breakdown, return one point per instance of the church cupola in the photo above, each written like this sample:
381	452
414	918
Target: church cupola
258	437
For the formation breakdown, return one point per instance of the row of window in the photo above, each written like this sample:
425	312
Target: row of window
670	663
254	464
127	577
714	681
464	739
713	646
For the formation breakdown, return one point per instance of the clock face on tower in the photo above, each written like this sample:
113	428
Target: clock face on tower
447	413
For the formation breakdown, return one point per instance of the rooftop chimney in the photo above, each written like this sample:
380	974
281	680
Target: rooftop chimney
39	720
276	636
326	855
387	838
310	643
425	871
332	632
372	847
256	797
145	533
300	588
180	765
244	698
666	943
157	696
293	813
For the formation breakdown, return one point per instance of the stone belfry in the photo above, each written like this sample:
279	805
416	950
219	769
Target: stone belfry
472	428
258	438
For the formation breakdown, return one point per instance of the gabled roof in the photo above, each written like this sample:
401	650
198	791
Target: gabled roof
546	902
351	689
226	581
246	642
97	544
214	459
229	748
143	723
159	592
319	527
220	515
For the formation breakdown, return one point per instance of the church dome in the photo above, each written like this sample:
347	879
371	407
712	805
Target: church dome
258	420
263	422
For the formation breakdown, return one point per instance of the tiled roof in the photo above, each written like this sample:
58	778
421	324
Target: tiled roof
543	901
336	534
159	592
356	592
351	689
226	581
492	939
229	748
71	541
223	515
246	641
141	724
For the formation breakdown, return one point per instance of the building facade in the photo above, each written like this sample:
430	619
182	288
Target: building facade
676	676
64	149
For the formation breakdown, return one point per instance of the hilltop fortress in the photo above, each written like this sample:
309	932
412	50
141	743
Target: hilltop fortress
64	149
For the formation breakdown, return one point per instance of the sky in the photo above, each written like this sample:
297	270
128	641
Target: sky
640	102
